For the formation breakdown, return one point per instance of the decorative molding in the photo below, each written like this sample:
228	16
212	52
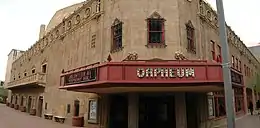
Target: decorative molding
210	17
179	56
155	15
131	56
52	35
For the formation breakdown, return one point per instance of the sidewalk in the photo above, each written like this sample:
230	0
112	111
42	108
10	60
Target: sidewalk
248	121
10	118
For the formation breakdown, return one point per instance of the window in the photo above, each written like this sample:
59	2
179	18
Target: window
68	108
219	57
155	28
116	31
25	74
245	69
76	106
213	53
46	106
236	63
190	37
239	66
232	60
33	71
239	99
44	68
220	108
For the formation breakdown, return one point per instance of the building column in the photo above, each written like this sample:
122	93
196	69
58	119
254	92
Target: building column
9	96
253	99
133	108
245	100
180	110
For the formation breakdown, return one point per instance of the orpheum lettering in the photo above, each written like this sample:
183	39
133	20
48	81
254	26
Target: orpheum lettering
165	72
84	76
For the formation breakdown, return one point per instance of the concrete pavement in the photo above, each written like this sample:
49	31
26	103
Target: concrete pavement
248	121
10	118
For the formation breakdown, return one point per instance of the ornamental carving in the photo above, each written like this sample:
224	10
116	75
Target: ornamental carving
155	15
209	15
77	19
87	12
69	25
63	27
179	56
51	38
57	33
46	41
132	56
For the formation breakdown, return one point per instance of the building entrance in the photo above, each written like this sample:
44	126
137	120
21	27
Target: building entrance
118	111
191	110
156	112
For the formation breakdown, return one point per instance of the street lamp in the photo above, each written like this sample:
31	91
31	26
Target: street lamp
226	65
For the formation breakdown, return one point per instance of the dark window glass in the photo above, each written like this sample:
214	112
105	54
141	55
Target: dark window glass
156	31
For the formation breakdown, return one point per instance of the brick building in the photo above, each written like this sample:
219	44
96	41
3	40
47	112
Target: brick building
124	63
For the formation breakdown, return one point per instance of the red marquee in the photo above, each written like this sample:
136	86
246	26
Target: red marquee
143	73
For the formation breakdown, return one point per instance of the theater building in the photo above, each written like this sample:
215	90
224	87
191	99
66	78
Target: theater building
138	64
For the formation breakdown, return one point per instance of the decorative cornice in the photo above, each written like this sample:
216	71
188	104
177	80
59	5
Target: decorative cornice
77	19
210	16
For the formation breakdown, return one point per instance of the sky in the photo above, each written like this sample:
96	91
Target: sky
21	19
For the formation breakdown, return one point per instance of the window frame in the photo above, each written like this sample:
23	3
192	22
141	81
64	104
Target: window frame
191	40
162	31
213	50
233	61
219	57
33	71
45	64
162	43
240	66
114	45
217	96
236	63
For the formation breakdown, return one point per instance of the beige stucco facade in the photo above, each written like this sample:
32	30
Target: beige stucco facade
84	37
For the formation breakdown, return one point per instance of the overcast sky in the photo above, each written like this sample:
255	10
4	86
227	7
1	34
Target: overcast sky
21	19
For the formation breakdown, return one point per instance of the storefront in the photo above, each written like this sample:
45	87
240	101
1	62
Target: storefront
144	94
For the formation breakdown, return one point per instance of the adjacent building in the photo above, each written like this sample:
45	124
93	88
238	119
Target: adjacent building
121	63
3	92
12	56
255	50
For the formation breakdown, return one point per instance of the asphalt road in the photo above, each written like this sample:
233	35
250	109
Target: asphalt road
10	118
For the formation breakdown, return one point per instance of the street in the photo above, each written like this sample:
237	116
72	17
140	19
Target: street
10	118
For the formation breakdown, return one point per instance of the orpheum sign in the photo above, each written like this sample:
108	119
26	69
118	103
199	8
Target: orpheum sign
85	76
165	72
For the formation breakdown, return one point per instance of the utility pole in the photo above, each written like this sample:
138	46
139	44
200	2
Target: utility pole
226	65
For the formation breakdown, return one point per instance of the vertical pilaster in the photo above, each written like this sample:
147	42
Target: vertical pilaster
245	100
180	110
133	114
253	98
